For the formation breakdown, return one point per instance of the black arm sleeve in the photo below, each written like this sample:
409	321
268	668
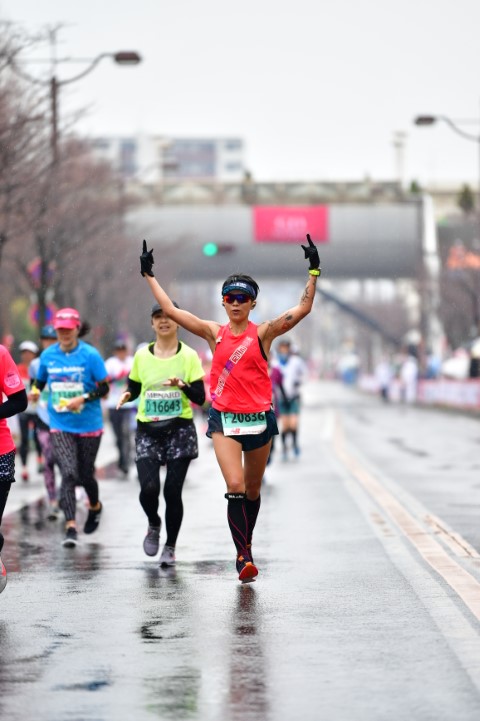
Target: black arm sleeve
134	388
195	392
16	403
38	384
100	391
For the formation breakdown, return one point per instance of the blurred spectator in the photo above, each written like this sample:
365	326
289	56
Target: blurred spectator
48	336
206	360
28	419
277	393
433	366
118	368
384	374
457	365
348	367
409	378
474	370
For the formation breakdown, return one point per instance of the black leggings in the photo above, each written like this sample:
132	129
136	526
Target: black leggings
4	491
148	470
120	421
75	456
27	421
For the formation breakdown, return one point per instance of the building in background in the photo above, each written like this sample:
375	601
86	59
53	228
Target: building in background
150	159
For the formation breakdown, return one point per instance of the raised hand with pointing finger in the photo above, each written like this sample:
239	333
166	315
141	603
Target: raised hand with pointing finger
146	261
311	254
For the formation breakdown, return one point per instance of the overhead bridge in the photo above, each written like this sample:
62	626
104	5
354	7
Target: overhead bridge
368	239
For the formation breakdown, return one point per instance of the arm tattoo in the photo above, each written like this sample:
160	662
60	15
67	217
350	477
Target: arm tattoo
286	322
305	294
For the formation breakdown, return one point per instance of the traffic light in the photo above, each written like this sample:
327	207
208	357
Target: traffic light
212	249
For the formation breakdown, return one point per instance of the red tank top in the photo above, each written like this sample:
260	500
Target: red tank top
239	379
10	382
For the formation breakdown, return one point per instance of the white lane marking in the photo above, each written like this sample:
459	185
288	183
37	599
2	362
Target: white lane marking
460	580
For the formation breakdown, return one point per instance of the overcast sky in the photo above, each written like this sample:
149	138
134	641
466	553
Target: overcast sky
316	89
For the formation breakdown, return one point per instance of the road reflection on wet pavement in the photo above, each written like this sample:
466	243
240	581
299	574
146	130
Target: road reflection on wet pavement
338	625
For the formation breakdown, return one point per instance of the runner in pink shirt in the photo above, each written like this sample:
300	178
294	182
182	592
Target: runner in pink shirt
14	400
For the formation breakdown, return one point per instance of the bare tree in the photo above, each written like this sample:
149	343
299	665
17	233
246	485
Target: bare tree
61	218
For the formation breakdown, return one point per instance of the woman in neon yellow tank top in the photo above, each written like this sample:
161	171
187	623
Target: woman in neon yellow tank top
240	420
167	376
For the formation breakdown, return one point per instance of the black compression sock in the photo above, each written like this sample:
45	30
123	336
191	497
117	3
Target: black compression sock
252	508
238	521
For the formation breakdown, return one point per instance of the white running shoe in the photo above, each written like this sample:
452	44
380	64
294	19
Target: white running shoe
168	556
53	511
3	576
151	541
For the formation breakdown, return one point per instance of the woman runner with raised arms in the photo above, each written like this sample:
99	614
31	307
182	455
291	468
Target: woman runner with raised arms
241	418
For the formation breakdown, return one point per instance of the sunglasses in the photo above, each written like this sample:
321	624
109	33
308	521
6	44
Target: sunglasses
239	297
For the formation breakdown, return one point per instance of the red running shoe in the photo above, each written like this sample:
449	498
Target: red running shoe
246	569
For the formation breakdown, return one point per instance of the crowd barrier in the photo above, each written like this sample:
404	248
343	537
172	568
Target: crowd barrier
438	392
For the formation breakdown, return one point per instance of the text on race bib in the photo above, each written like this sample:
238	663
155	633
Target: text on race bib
162	405
242	424
62	391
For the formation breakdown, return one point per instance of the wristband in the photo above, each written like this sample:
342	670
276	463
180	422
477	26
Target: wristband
86	397
314	271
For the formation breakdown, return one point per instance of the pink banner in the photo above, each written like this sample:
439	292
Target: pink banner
284	224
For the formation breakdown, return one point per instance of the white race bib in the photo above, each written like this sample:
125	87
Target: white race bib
62	391
243	424
163	405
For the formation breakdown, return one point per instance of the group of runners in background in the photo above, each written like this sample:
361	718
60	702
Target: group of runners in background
57	390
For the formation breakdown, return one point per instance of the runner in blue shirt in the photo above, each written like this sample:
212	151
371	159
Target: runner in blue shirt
77	378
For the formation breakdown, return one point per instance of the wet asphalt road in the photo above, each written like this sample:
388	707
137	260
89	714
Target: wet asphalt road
346	621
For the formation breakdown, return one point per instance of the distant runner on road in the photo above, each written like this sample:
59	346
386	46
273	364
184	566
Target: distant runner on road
241	419
118	367
48	337
27	420
13	400
167	375
293	370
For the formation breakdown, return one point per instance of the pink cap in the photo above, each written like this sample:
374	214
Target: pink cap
66	318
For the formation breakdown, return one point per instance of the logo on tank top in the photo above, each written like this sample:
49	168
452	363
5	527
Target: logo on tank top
12	379
236	356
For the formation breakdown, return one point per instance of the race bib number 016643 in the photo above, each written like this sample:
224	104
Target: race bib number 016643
243	424
162	405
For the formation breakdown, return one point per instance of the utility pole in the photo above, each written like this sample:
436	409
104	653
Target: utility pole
54	85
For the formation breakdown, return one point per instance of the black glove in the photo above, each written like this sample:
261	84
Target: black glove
146	261
311	254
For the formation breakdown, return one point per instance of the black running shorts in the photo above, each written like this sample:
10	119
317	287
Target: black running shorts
249	442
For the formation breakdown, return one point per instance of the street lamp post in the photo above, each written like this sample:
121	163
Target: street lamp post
432	119
423	120
123	57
